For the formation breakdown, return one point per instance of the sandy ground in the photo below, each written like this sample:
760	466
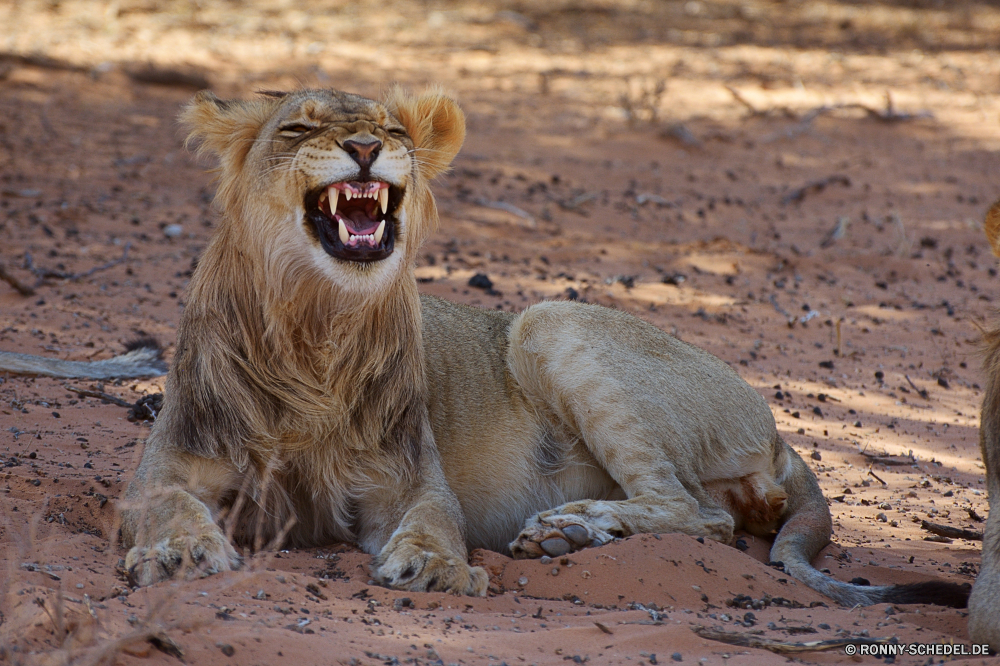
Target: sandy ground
796	187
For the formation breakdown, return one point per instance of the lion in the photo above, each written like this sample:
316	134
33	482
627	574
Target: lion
984	623
317	397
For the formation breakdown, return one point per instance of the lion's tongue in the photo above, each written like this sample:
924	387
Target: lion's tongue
358	222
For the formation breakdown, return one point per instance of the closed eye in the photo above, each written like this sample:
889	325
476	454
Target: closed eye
295	129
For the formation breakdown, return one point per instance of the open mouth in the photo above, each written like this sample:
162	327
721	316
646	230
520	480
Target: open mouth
354	220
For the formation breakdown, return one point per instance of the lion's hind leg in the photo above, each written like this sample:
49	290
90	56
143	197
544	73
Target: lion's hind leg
656	414
588	523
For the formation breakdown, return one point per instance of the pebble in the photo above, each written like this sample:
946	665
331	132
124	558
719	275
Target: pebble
522	581
173	230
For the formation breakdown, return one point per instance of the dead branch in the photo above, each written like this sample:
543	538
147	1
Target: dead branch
888	461
951	532
43	273
799	194
89	393
922	392
784	647
876	476
755	112
975	516
887	115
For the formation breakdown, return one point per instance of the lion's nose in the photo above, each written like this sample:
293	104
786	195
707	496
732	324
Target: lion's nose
363	153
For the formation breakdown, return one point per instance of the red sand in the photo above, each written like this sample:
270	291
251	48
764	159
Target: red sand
619	186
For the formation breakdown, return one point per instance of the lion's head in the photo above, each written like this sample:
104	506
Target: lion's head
330	179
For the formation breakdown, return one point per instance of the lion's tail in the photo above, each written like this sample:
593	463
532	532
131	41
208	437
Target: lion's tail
144	358
807	530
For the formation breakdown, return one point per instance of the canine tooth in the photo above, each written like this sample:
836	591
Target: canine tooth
322	196
334	196
342	229
379	231
383	199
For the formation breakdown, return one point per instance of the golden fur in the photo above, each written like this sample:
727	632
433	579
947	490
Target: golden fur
984	621
320	390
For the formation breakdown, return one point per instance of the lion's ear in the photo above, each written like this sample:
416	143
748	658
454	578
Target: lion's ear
992	226
226	129
435	123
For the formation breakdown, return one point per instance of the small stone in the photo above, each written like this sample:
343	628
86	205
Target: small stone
173	230
545	559
676	656
227	649
815	455
555	571
522	581
481	281
882	518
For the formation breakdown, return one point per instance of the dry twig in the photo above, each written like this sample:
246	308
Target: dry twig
89	393
951	532
800	193
42	273
785	647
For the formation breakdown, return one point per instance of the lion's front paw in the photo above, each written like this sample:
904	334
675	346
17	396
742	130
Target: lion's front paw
556	535
405	565
713	524
187	555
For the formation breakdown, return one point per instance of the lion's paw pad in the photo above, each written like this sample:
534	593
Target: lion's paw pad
557	535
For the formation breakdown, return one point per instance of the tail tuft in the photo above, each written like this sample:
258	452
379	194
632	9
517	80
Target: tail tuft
144	341
937	592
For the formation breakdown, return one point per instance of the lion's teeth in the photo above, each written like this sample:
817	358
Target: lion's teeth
383	199
334	194
379	232
345	237
349	194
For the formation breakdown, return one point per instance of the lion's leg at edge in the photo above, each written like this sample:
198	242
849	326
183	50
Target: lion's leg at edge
167	521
